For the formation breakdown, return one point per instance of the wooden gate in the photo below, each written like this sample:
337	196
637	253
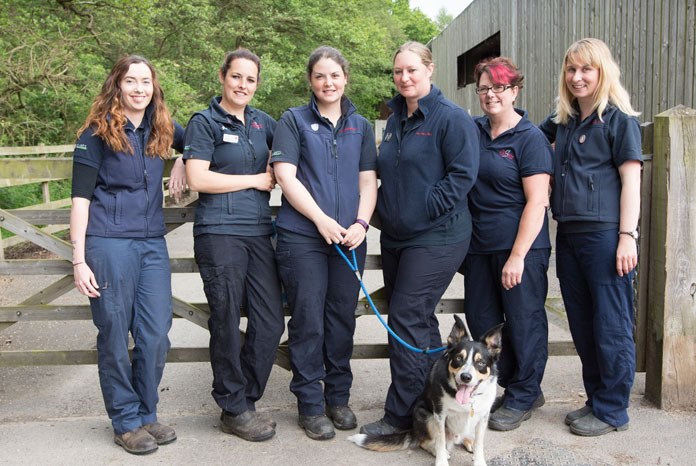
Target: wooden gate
17	168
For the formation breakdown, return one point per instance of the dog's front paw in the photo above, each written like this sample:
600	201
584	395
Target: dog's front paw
441	462
468	445
480	462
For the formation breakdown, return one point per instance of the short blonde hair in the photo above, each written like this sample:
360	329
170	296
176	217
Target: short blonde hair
419	49
609	90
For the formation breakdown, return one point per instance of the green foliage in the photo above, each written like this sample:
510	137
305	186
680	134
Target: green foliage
443	19
58	52
15	197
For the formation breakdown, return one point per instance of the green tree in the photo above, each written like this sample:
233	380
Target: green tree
443	19
57	53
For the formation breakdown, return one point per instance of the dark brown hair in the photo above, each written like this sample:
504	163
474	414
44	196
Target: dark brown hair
327	52
240	53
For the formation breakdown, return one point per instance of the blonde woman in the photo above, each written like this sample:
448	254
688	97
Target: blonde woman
428	161
596	202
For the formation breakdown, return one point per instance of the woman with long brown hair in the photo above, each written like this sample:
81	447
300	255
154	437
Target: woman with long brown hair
120	258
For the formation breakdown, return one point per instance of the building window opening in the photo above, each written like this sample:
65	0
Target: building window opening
467	61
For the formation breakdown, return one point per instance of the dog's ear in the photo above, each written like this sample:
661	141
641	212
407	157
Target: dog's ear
458	332
493	339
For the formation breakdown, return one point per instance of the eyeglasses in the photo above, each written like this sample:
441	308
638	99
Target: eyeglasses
497	89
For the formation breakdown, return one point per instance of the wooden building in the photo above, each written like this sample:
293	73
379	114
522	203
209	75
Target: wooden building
654	42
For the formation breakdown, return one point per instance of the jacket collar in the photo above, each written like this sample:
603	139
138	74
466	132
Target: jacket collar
608	110
523	125
145	123
347	107
221	115
425	105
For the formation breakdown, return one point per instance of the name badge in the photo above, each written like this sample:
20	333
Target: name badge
233	138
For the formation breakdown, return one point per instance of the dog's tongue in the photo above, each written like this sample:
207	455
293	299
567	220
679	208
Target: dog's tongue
463	395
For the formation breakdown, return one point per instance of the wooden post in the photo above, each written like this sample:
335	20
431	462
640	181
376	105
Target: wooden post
46	192
642	277
671	338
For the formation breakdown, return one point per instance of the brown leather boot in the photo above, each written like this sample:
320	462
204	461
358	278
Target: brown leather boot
137	442
161	433
247	425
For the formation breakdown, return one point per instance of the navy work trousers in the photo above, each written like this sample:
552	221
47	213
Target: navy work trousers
135	286
599	305
240	271
526	332
322	292
415	278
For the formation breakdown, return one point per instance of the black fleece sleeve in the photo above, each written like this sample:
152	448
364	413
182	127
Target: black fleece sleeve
84	180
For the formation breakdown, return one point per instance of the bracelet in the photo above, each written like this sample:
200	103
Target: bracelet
78	263
362	223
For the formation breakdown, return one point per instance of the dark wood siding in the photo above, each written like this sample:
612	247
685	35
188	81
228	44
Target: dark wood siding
654	42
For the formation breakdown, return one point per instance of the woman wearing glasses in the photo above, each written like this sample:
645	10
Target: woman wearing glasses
509	254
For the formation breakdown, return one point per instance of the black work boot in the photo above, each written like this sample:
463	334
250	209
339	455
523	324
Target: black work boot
342	416
248	426
317	427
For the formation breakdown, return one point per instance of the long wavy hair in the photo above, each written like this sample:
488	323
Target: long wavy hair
107	117
609	90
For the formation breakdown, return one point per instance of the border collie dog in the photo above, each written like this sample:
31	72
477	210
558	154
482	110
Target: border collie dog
455	403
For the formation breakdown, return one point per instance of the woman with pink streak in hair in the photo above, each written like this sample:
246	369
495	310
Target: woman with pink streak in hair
505	269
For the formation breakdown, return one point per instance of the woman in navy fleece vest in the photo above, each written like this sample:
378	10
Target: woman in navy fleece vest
324	158
596	202
120	256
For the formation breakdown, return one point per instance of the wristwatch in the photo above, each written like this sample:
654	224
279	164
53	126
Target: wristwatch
363	223
633	234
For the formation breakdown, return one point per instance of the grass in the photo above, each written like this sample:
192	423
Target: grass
15	197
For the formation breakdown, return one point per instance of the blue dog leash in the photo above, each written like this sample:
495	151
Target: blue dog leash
354	267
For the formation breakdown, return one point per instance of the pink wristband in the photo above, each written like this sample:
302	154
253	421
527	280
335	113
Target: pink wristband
362	223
